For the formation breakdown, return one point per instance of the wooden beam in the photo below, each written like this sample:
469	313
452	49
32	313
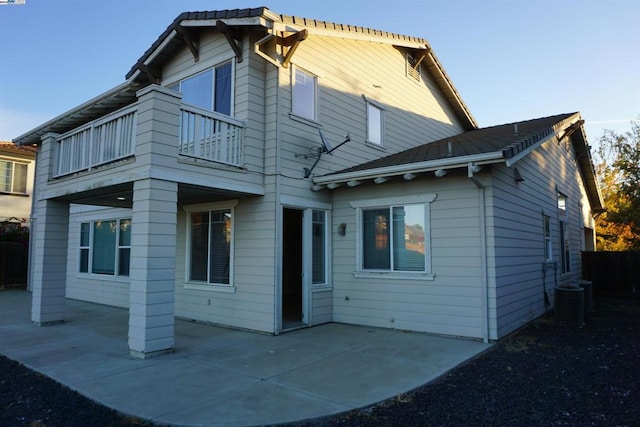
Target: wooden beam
152	75
419	57
233	36
192	39
381	179
292	42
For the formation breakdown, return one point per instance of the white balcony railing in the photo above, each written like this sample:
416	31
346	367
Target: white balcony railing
211	136
102	141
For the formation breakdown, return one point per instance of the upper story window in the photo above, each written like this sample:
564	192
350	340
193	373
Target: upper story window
13	177
375	124
105	247
210	89
304	99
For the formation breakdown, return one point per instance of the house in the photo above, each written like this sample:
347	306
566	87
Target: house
269	172
17	168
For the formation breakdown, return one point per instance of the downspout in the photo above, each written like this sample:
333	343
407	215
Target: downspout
471	169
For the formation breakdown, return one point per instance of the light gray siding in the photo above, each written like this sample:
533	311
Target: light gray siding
519	270
451	303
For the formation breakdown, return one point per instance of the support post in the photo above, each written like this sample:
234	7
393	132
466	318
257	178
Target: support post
153	259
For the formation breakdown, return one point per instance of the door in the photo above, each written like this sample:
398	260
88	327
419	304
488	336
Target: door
292	269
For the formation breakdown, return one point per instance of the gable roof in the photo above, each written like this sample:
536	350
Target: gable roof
505	143
184	31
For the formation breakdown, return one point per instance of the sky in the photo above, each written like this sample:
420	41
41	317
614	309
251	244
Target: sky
510	60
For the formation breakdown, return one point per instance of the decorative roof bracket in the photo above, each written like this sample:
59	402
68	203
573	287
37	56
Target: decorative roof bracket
419	57
152	74
191	39
233	36
292	42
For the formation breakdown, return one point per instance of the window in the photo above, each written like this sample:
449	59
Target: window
565	247
13	177
319	247
304	95
210	89
548	254
105	247
375	121
210	243
393	238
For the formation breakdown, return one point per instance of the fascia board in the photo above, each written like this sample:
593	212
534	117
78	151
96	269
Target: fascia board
448	163
257	20
160	48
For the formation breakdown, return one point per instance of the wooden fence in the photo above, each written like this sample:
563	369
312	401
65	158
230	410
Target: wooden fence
614	274
13	264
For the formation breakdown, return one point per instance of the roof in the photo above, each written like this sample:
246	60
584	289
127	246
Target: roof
10	147
505	143
184	31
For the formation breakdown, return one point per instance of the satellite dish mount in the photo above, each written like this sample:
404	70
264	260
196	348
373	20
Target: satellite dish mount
325	148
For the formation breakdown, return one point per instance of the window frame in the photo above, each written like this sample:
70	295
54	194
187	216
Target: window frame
177	85
89	248
564	233
325	249
371	105
10	182
548	242
229	205
314	96
389	202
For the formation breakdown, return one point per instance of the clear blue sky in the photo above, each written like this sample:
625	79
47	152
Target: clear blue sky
510	60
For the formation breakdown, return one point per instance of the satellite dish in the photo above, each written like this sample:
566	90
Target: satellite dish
326	145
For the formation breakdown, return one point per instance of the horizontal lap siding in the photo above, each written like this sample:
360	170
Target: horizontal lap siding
517	232
347	70
452	303
251	306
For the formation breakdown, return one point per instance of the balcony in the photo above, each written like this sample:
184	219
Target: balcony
203	135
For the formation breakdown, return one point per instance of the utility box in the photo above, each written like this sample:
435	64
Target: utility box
569	302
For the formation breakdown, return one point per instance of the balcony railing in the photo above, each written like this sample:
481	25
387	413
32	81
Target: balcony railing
102	141
211	136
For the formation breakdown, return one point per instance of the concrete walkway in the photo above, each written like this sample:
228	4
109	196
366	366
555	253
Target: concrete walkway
219	376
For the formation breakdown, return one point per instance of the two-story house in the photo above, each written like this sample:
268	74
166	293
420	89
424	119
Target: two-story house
270	172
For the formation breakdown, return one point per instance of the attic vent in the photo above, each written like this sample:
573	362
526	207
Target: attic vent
413	67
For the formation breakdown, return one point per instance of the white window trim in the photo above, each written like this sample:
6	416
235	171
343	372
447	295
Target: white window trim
13	192
327	250
210	65
89	273
211	287
314	121
386	202
382	110
548	240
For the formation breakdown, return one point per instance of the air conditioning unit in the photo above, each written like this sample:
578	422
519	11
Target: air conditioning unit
569	304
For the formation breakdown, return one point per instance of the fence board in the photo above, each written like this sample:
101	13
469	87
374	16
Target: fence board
614	274
13	264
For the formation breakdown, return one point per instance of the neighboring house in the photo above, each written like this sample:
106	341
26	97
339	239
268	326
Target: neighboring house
17	168
218	183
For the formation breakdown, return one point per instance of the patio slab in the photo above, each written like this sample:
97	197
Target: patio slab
220	376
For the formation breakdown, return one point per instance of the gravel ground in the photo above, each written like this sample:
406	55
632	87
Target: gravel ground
548	373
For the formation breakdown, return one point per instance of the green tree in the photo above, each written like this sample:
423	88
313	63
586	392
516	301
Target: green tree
618	169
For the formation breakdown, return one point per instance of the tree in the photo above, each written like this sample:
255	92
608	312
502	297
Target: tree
618	170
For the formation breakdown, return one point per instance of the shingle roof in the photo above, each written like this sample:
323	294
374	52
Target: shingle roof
510	139
10	146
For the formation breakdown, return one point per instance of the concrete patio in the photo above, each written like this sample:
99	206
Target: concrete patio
219	376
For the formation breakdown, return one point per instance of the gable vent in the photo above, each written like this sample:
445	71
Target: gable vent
413	70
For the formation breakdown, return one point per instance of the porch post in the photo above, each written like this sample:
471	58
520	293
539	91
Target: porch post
50	230
152	274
